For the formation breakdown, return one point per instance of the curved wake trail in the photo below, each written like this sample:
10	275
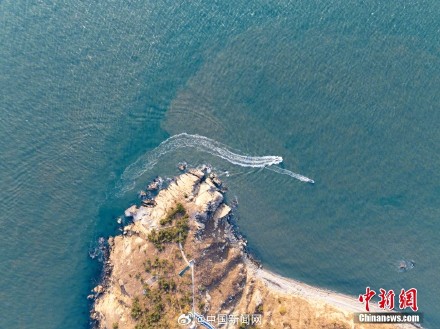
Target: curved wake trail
201	143
291	174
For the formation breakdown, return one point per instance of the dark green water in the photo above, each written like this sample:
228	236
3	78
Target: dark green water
347	93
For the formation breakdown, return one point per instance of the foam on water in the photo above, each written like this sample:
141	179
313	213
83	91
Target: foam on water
201	143
291	174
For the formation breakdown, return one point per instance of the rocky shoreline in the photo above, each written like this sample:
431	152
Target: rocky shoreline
147	282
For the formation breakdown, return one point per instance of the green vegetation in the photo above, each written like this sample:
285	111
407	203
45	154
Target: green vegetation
174	233
150	314
165	221
157	265
115	325
136	310
165	298
161	302
178	210
166	285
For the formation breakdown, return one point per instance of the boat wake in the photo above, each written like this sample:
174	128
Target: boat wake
291	174
200	143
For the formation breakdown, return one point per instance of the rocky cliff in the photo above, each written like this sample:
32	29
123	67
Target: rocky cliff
181	254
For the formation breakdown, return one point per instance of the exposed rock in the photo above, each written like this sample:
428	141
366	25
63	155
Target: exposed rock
227	280
155	184
196	172
98	289
200	226
208	199
222	211
149	202
217	182
131	212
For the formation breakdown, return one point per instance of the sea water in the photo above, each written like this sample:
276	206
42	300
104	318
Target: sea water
346	93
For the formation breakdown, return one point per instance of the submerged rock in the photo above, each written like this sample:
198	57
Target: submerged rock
405	265
182	166
142	195
155	184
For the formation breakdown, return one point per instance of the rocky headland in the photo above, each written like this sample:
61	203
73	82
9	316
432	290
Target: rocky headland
181	254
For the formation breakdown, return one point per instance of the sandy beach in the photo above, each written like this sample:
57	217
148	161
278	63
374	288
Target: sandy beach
347	304
227	280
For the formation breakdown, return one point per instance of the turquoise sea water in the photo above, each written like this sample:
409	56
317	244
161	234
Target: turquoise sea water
346	92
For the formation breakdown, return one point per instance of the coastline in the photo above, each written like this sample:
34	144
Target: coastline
222	261
347	303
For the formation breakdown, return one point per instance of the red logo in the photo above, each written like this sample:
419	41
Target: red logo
386	299
407	299
366	298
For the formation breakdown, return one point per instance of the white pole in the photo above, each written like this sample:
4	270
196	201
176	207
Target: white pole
192	274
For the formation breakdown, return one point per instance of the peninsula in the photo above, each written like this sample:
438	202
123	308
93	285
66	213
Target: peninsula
181	263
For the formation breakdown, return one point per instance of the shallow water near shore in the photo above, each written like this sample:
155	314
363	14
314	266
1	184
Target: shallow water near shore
346	94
